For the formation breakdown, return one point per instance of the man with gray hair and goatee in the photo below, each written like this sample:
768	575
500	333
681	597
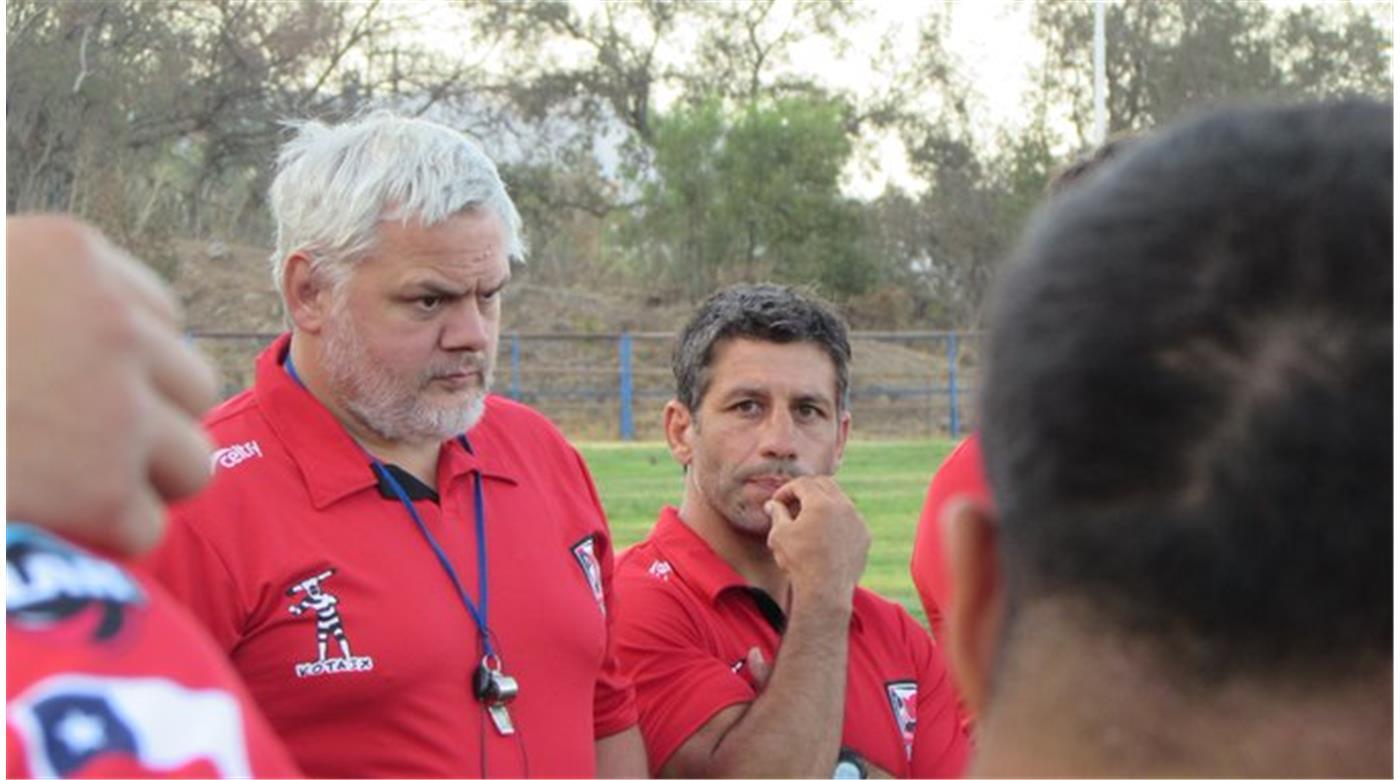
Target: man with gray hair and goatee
413	576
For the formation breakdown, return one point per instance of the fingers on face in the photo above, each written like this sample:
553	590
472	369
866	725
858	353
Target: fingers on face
791	490
808	491
777	510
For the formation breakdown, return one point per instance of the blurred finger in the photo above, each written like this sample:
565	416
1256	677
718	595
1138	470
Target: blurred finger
142	286
181	375
141	526
790	490
179	458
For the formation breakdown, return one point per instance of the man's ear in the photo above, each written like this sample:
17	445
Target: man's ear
843	430
306	294
679	424
978	598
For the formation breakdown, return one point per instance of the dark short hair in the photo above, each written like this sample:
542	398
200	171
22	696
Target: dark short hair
765	312
1187	402
1087	162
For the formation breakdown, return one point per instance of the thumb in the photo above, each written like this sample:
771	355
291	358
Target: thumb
777	510
759	669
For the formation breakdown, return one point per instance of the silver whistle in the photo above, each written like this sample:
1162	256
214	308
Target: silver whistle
500	718
495	689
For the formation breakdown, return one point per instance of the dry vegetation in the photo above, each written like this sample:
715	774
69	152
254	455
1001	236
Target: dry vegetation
229	303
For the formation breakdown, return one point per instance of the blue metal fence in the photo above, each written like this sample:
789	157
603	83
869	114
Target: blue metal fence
903	383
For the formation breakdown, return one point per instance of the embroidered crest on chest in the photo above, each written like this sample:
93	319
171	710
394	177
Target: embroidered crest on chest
585	553
904	700
312	597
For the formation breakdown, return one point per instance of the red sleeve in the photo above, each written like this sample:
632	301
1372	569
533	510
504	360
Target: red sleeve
941	743
164	698
198	577
614	704
681	682
960	475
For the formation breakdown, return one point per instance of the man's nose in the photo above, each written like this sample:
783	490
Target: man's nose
778	436
466	328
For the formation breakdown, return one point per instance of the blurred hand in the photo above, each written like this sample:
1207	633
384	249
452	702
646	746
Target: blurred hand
103	396
818	539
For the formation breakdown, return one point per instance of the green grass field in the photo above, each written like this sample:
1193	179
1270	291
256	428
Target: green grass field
886	480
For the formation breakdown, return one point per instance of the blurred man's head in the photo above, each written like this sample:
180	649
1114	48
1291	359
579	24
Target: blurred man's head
1186	423
1079	168
394	238
761	376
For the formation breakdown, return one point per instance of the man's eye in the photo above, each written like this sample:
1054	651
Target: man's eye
428	302
809	412
746	407
490	296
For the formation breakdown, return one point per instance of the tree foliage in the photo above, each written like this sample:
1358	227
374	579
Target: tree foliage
665	145
751	193
1165	58
154	117
1168	57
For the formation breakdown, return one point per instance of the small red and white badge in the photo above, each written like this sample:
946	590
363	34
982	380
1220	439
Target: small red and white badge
587	558
904	700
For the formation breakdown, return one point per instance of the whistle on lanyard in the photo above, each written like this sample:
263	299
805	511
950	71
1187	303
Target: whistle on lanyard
495	689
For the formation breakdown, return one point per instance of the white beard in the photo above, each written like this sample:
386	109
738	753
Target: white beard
393	407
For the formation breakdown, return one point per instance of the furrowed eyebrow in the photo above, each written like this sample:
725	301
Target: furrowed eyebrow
498	287
426	287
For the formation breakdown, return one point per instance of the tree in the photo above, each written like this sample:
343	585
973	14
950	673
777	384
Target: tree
1164	58
1168	57
750	194
745	50
940	248
151	116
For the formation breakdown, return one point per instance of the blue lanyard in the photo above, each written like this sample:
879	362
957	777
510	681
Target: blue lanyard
477	610
478	613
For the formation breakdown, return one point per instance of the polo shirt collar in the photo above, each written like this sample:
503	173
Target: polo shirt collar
699	565
332	463
689	553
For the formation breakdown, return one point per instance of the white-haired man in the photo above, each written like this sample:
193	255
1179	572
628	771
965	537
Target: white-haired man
412	576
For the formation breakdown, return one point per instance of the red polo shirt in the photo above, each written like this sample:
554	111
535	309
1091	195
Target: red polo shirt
961	475
106	676
293	556
686	621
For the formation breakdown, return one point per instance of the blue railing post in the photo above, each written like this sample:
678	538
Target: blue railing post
515	366
953	385
624	389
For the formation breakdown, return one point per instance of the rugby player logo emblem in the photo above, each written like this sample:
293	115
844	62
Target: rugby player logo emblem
584	552
311	596
904	700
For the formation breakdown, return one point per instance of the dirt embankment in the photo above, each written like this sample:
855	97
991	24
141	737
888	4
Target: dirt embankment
899	388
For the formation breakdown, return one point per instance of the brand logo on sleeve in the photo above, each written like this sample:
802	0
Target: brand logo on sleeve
904	700
69	721
314	598
660	569
584	552
234	454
